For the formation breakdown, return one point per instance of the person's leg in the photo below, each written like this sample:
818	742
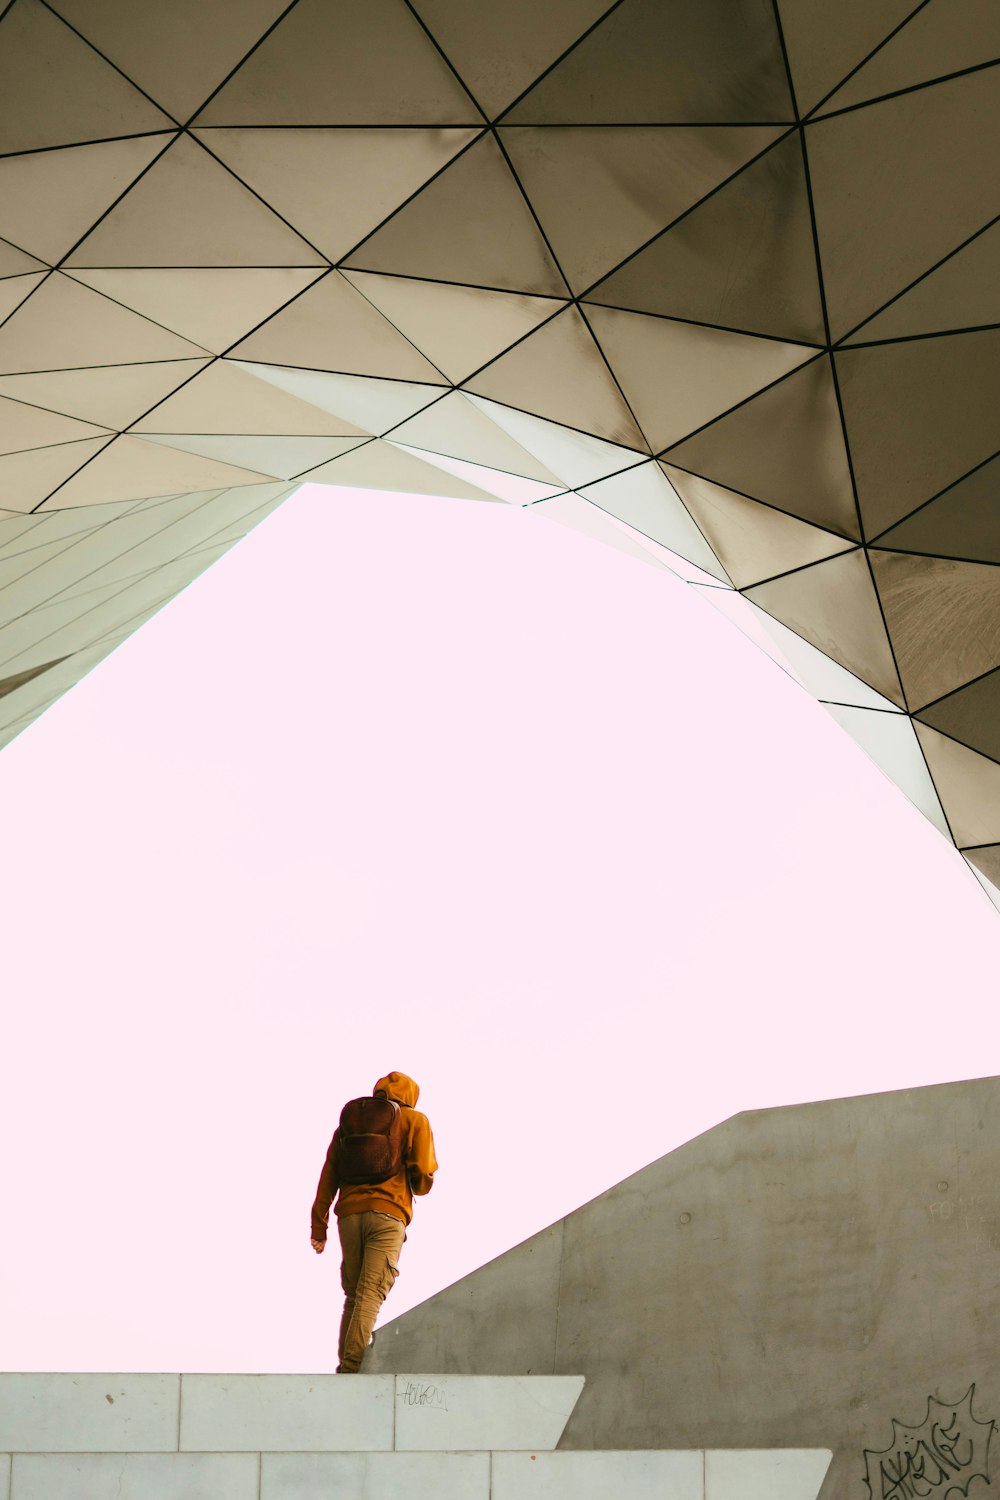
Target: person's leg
383	1240
351	1257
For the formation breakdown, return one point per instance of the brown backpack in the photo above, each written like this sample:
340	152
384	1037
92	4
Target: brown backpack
371	1142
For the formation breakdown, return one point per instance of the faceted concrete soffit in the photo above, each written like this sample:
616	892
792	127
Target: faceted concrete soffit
279	1437
714	279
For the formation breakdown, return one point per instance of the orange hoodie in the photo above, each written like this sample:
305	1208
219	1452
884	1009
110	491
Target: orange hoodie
395	1196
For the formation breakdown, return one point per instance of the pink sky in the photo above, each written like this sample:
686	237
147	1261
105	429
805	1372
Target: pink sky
436	786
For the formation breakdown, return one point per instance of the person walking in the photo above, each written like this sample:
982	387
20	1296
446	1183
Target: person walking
381	1155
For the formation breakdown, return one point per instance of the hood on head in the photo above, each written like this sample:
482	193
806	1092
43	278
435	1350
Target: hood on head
399	1087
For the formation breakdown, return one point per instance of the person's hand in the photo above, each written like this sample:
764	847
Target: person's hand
318	1245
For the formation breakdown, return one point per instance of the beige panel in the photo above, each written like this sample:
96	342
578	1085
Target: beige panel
27	478
177	52
825	42
688	61
335	186
745	258
343	64
51	199
987	860
971	715
15	262
786	448
678	376
964	522
30	427
380	466
189	211
14	291
944	620
332	327
471	224
19	679
577	458
46	529
15	531
457	427
371	405
132	468
500	50
643	499
66	326
113	396
968	785
228	398
753	541
946	36
963	293
898	185
834	605
459	328
214	306
599	194
283	457
920	414
558	373
57	91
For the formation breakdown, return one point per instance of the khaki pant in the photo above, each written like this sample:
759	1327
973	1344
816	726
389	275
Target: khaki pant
370	1243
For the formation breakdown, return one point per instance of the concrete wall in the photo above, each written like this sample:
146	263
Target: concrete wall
795	1277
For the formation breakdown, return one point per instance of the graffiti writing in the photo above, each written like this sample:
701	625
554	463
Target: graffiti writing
940	1456
421	1393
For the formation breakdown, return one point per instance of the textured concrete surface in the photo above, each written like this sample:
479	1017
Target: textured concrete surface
794	1278
88	1413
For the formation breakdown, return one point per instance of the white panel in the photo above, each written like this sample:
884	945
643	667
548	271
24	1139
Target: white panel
118	1476
765	1474
455	1412
578	514
598	1476
643	497
375	1476
286	1413
890	740
509	487
88	1413
574	457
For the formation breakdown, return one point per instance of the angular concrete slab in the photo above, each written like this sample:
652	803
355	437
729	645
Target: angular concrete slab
88	1413
4	1476
139	1476
598	1476
765	1474
374	1476
456	1412
286	1413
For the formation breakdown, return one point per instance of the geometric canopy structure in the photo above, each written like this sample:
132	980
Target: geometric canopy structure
715	275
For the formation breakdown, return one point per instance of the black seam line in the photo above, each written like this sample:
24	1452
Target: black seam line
790	672
588	291
748	333
446	59
502	353
908	516
814	226
801	568
107	432
357	292
174	136
104	140
122	364
655	540
104	58
789	79
916	282
824	530
35	508
913	338
68	624
75	275
493	468
682	124
557	61
864	708
472	286
934	786
956	557
915	88
954	692
888	633
641	456
445	390
245	58
331	437
845	436
664	453
505	157
726	573
24	302
972	848
867	58
272	127
303	476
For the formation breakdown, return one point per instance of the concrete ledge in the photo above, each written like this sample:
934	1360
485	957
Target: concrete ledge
375	1476
135	1476
286	1413
89	1413
601	1476
752	1474
462	1412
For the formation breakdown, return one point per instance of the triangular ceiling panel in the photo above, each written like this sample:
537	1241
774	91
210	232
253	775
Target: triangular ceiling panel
471	225
785	447
66	326
599	194
678	377
947	36
897	185
986	860
284	457
14	289
24	426
962	293
972	715
825	43
228	399
213	306
459	328
343	64
380	466
332	327
27	478
891	742
336	186
642	498
753	541
921	414
131	468
577	458
759	222
189	211
371	405
51	199
964	522
917	593
459	428
501	51
114	396
968	786
834	605
689	62
153	44
559	373
15	262
57	91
